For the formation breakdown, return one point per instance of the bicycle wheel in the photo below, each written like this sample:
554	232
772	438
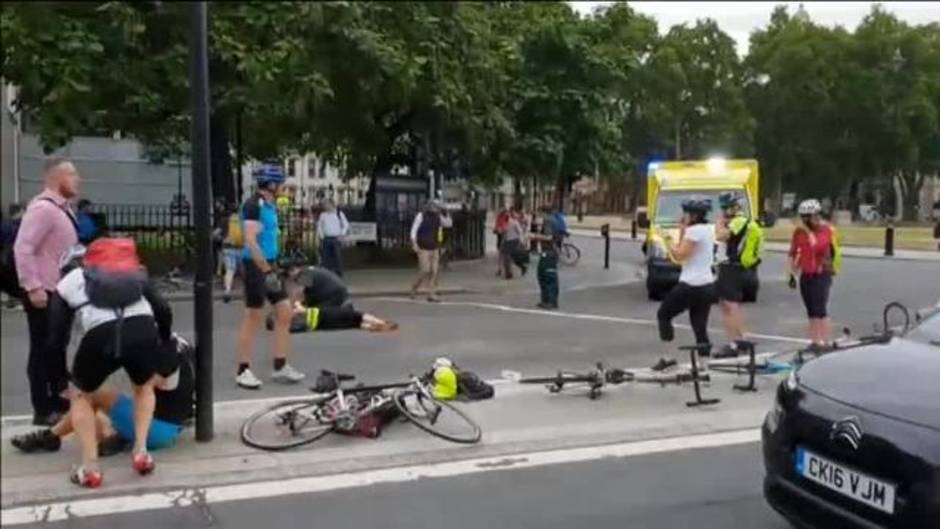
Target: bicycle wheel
286	425
569	254
437	417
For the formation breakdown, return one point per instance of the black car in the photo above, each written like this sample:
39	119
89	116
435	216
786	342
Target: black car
853	439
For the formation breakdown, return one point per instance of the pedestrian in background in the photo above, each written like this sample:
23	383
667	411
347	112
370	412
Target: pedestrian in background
47	231
229	233
513	250
333	228
499	229
548	238
426	235
9	284
87	227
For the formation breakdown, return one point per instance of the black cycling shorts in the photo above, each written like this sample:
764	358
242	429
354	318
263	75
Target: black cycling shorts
255	291
731	281
815	292
139	353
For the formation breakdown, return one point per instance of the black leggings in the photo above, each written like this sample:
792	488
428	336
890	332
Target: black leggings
697	300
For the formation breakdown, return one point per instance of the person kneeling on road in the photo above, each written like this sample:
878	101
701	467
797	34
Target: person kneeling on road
321	287
114	411
123	321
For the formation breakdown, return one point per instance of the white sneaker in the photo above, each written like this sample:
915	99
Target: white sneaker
248	380
288	375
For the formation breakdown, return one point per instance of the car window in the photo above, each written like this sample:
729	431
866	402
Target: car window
669	205
928	331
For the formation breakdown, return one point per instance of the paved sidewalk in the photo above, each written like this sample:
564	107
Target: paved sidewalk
520	419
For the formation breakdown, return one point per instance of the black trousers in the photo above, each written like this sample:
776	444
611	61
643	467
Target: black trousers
697	300
46	369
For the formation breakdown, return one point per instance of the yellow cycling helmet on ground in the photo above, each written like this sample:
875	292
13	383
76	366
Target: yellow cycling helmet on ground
445	380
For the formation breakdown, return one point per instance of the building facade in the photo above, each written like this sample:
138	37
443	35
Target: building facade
311	179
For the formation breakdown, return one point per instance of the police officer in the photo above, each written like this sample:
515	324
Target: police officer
549	239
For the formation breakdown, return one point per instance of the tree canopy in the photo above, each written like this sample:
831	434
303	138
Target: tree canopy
486	90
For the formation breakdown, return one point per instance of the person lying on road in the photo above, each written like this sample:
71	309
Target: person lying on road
114	411
306	319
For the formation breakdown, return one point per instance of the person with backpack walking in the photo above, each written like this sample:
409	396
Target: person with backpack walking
743	240
332	227
261	232
48	229
122	321
229	232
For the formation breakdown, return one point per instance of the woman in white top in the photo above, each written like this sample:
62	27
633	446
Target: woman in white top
695	291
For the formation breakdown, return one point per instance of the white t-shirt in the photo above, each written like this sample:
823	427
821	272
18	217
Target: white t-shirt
697	269
72	289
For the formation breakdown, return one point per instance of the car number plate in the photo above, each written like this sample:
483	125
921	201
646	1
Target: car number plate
846	481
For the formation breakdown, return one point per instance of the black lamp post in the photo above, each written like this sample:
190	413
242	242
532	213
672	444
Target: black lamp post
202	205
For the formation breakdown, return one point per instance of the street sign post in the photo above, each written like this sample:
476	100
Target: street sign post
202	206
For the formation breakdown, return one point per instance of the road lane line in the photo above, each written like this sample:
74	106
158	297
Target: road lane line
581	316
55	512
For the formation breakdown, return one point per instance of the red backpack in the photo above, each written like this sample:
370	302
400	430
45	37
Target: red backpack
114	277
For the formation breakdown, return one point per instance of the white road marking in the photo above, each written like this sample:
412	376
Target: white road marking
55	512
580	316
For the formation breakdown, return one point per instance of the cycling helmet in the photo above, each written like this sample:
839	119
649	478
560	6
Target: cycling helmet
810	207
730	199
443	362
72	258
697	205
269	174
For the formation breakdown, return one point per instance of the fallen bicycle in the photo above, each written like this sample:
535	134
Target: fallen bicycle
294	423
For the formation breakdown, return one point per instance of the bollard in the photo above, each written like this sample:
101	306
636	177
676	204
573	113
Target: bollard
605	233
633	229
889	240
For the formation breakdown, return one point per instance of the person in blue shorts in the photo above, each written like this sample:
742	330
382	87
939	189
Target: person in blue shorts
115	411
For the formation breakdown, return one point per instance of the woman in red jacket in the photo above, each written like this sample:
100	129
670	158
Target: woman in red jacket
814	255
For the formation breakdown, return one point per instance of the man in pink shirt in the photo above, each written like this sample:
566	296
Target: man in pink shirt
47	230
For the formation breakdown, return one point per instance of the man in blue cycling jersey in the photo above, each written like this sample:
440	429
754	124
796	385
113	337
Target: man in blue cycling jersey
259	215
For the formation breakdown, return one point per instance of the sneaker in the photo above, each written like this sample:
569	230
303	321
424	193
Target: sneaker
727	351
287	375
247	380
434	299
664	364
547	306
90	479
143	463
38	441
111	445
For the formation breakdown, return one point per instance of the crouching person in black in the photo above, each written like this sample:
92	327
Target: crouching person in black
122	323
114	410
323	304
